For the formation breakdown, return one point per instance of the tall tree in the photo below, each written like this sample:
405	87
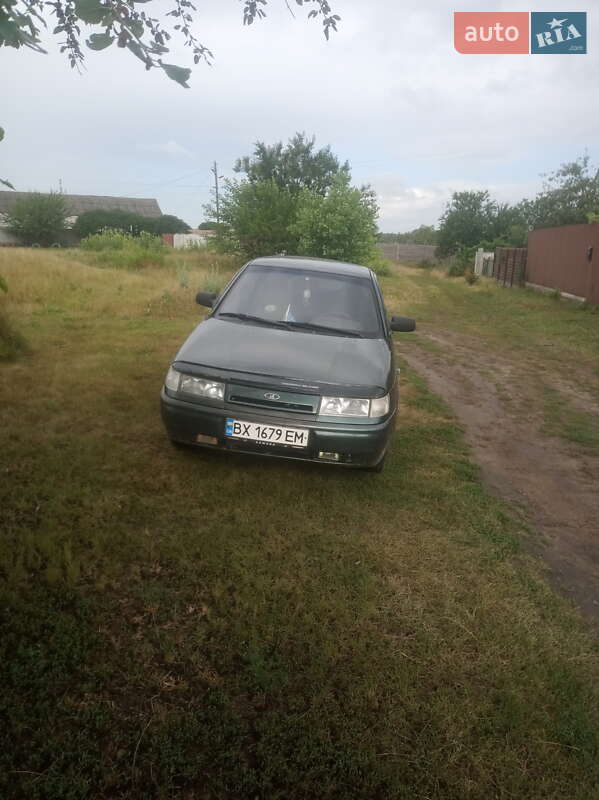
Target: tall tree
294	166
144	27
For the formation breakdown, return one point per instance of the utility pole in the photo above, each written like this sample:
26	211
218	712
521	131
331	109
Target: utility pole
217	177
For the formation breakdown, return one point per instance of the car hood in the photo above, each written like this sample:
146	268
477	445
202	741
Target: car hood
311	359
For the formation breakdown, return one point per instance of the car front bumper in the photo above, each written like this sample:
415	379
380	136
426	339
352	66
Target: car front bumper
358	444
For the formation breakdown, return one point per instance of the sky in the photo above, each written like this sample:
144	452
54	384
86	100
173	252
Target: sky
388	92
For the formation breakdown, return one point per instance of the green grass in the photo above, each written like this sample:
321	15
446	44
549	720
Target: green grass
518	320
189	624
575	425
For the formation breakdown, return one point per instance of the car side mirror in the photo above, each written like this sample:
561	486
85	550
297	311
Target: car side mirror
403	324
205	299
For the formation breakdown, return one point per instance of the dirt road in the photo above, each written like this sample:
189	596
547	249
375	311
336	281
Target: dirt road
553	483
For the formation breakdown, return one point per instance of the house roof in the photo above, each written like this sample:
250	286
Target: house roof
79	203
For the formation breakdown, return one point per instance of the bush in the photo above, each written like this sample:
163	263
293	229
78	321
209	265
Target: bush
425	263
463	262
339	225
38	219
114	248
213	282
470	277
379	264
92	222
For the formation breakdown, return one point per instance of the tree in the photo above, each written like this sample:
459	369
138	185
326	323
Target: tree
38	219
206	226
256	219
568	196
293	167
257	213
122	23
339	225
466	221
167	223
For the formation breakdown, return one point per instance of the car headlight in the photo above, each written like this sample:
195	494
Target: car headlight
198	387
172	379
379	406
354	406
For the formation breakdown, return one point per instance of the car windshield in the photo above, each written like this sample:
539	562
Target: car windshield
310	301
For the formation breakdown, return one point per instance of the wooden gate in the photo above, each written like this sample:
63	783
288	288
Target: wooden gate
509	265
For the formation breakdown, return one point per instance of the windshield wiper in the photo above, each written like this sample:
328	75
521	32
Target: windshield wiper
312	326
273	323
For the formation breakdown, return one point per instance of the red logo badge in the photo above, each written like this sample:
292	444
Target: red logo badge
491	32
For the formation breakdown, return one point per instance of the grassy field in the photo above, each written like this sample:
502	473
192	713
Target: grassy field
186	624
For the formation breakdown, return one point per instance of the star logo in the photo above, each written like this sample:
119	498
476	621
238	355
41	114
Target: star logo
556	23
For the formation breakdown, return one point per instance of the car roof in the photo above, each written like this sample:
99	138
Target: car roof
312	265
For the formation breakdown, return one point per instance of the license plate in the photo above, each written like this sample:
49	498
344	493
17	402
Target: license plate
267	434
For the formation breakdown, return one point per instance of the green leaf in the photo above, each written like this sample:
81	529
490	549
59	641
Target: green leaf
91	11
3	285
136	27
179	74
99	41
137	50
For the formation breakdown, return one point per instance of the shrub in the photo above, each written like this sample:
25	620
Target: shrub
340	225
109	239
212	283
378	264
471	277
92	222
425	263
463	262
38	219
114	248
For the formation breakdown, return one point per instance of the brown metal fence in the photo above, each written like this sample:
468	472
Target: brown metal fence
509	265
566	259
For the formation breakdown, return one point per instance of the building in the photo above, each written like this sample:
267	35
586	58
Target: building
79	203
